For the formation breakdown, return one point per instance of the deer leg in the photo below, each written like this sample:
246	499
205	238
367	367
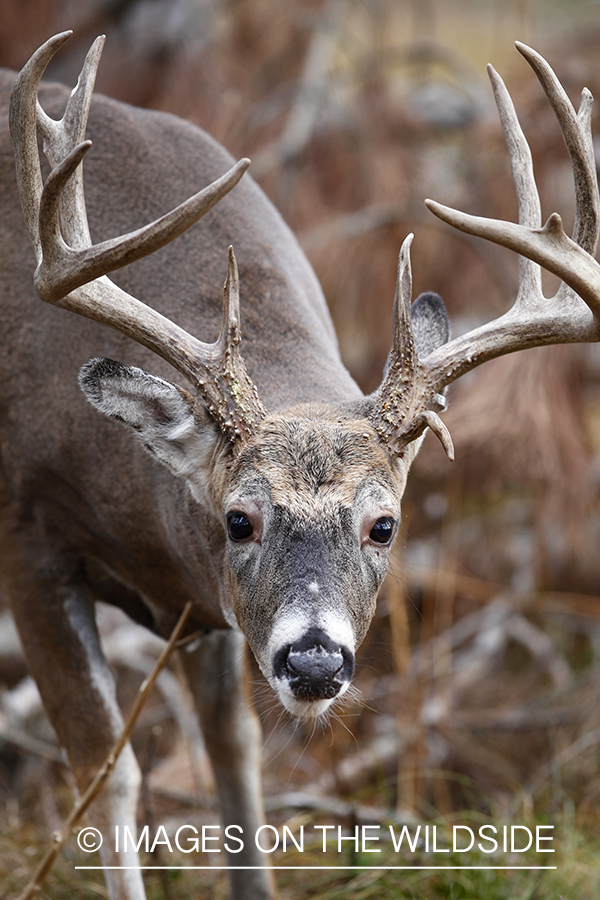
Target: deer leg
56	622
215	671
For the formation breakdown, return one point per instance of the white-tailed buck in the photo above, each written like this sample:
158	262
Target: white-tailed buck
278	497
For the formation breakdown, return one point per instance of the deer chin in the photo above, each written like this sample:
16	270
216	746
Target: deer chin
308	710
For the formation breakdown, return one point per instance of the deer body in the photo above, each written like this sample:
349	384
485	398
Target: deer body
278	497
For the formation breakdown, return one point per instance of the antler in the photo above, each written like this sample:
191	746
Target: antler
403	404
534	320
56	220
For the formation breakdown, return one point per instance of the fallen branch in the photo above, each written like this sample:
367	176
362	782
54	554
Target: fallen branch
61	837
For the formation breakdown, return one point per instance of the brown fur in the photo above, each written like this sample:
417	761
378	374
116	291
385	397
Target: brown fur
313	457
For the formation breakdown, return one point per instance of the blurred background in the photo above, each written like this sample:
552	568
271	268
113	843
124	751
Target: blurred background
480	678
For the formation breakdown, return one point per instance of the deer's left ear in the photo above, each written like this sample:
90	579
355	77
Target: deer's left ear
171	424
430	323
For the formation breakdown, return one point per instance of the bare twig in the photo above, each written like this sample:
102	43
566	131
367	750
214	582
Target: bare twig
61	837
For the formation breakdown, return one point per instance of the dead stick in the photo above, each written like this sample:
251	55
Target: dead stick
61	837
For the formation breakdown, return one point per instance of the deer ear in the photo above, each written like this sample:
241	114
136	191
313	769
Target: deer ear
430	324
172	425
431	328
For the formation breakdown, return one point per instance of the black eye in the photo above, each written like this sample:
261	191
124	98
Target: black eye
382	530
238	526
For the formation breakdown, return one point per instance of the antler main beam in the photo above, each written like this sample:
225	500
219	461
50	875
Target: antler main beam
71	272
572	315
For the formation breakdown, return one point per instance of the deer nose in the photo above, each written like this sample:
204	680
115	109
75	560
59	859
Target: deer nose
315	667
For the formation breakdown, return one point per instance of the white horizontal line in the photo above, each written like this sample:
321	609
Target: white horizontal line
269	868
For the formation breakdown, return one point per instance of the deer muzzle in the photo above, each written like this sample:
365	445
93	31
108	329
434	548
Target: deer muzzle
314	667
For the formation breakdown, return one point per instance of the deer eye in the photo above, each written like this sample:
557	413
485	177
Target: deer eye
382	530
238	526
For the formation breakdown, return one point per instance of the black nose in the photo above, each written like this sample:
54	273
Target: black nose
315	667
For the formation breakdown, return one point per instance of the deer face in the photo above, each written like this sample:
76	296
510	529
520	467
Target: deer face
310	505
311	513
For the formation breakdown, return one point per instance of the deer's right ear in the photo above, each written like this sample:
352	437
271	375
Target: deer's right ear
172	425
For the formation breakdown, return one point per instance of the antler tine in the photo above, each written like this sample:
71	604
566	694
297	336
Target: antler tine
392	403
231	330
54	248
399	412
404	344
230	366
521	163
576	130
64	268
71	273
391	408
63	135
548	246
22	120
